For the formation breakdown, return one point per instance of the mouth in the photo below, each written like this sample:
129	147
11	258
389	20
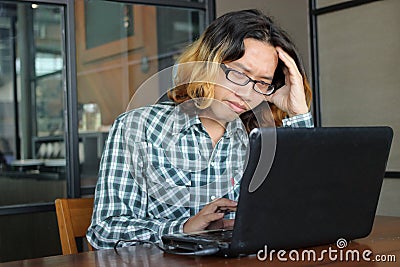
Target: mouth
236	107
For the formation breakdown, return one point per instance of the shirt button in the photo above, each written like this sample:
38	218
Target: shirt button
212	197
212	163
289	123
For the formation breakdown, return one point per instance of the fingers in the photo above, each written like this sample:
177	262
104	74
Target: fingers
200	222
292	73
226	210
218	205
212	217
289	62
212	212
293	100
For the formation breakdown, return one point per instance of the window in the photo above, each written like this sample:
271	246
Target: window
32	147
32	125
108	80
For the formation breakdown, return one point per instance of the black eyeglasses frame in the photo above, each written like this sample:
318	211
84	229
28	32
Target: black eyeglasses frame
271	88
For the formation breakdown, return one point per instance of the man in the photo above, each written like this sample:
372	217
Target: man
176	167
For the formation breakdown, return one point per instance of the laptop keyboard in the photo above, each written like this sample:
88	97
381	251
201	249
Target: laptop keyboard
221	236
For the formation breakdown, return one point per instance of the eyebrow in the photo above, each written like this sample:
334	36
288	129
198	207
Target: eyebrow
243	67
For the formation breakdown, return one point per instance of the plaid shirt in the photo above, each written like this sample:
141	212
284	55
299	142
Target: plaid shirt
159	168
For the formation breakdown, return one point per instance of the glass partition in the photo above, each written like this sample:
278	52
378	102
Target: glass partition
32	147
32	75
111	68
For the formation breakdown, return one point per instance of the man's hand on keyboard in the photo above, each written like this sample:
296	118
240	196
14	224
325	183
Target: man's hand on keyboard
211	216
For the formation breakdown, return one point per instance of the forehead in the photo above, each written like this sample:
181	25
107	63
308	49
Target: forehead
260	58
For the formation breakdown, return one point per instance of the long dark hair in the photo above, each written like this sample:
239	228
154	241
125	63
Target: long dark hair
222	41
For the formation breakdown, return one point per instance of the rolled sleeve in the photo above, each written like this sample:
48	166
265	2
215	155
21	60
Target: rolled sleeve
172	226
303	120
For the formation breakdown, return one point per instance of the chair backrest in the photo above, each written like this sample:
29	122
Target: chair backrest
73	216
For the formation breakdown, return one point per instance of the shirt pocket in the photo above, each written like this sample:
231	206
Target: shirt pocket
160	170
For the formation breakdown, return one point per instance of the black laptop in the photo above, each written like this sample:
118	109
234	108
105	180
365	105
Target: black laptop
324	184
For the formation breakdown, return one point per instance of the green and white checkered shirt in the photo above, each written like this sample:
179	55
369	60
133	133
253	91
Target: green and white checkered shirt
159	168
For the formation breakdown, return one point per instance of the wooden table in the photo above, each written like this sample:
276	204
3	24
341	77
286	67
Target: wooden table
383	241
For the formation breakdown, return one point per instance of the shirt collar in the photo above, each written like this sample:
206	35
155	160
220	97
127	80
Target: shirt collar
183	121
236	127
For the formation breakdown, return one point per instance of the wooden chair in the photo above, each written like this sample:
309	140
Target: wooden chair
73	216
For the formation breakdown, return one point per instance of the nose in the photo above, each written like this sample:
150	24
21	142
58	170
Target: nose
244	91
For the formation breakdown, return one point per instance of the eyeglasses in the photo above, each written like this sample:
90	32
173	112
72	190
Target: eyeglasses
242	79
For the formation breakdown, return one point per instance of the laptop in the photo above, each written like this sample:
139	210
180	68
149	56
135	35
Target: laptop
323	185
